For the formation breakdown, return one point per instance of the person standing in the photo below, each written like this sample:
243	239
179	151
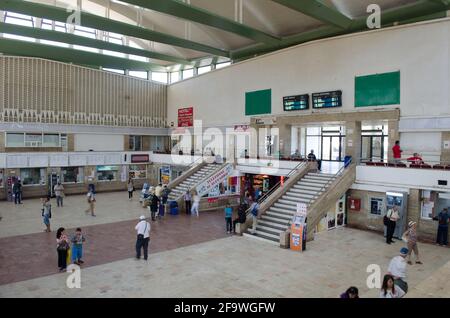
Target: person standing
242	216
196	205
165	194
397	152
17	191
228	218
130	188
62	247
143	237
77	247
312	157
442	232
59	193
393	217
91	201
153	204
411	238
397	268
188	201
389	290
46	213
254	209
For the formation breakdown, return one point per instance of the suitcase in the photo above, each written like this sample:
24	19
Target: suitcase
162	209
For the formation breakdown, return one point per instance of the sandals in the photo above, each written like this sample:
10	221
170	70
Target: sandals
419	262
409	262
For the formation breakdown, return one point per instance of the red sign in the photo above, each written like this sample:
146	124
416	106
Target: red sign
354	204
186	117
140	158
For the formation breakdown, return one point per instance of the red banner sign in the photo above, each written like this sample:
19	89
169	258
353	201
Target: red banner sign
186	117
140	158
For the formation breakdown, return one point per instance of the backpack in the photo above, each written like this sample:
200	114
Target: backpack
385	220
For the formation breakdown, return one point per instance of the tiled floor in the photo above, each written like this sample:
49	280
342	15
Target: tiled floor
241	267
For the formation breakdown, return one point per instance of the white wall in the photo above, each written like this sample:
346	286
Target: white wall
420	52
85	142
402	177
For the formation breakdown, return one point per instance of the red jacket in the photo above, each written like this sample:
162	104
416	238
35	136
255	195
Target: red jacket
397	152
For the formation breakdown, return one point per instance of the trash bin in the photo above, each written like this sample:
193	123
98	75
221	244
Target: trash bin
173	207
347	161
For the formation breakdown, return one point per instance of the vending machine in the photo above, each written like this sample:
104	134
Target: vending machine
399	199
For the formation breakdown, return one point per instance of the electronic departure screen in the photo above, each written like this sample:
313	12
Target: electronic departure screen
327	99
298	102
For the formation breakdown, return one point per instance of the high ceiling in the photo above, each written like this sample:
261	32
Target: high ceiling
174	34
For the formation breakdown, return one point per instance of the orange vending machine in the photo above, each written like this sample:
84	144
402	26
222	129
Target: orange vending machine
298	228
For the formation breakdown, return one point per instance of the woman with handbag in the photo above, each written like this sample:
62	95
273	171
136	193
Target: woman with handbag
410	237
62	247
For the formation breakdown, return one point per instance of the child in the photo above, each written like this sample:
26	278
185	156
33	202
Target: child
77	247
228	217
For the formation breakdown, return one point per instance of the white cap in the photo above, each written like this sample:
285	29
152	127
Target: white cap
141	218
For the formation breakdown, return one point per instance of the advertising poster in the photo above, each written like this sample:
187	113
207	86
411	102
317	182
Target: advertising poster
165	174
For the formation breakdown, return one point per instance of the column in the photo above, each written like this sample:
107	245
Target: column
353	140
445	148
394	135
285	140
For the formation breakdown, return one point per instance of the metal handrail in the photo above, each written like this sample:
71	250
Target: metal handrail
385	161
331	180
276	186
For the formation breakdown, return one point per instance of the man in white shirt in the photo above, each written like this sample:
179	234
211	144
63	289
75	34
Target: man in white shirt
143	237
397	268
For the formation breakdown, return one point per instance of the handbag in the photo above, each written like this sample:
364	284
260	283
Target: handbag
385	220
63	246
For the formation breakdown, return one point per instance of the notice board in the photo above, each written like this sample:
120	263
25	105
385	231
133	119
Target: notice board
186	117
377	89
258	102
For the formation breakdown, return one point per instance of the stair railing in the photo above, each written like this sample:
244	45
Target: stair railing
276	186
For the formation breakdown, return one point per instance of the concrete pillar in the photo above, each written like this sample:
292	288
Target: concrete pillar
445	152
414	206
353	140
285	140
253	149
394	135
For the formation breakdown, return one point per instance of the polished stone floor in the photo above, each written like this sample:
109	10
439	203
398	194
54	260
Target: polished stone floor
193	257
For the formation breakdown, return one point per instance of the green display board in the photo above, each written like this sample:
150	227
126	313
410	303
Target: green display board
378	89
258	102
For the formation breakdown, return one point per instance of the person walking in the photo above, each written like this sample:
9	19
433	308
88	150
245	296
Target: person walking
312	157
158	191
411	238
130	188
397	152
46	213
188	201
17	191
91	201
77	247
254	209
153	206
228	218
442	232
196	205
143	237
392	218
389	290
62	248
242	216
59	193
397	268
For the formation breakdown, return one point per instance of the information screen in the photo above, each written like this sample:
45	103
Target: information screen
327	99
298	102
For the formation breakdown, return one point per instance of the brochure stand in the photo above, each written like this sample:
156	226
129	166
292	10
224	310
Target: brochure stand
298	228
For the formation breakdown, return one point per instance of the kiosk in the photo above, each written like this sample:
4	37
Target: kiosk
298	228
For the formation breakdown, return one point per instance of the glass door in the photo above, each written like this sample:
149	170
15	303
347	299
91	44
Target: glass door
332	148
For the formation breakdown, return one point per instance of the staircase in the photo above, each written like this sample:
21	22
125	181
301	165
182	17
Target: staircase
180	189
277	218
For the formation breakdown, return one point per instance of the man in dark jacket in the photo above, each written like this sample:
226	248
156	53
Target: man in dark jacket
153	205
442	233
241	216
17	190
